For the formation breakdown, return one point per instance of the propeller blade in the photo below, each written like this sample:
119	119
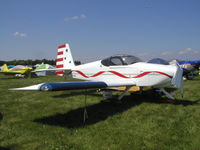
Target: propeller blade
177	80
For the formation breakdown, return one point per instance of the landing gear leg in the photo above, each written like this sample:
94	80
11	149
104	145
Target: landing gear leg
167	94
123	93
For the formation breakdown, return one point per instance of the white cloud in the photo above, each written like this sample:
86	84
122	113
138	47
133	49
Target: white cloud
165	53
143	54
16	33
188	51
185	54
82	16
19	34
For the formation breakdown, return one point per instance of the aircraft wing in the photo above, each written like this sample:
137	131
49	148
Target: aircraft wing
9	72
2	72
59	86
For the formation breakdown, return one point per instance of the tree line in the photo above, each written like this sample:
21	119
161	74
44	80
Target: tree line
32	62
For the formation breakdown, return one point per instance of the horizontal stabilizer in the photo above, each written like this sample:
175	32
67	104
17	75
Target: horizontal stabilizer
53	70
59	86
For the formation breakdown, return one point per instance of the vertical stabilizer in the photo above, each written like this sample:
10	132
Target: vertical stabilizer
64	59
5	68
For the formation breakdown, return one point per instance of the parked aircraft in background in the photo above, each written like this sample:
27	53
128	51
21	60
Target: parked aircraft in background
190	65
189	68
114	71
19	71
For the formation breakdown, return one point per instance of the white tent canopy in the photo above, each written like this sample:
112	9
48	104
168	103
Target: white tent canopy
45	73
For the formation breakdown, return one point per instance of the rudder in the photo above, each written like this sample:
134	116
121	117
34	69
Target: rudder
64	58
5	68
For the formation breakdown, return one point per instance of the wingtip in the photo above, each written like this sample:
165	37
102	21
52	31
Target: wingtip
28	88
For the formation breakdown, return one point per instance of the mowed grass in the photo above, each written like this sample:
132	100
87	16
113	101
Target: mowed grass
32	120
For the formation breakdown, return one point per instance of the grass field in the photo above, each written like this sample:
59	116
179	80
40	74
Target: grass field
32	120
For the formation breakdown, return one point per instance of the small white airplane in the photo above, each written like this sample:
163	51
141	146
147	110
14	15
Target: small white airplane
114	71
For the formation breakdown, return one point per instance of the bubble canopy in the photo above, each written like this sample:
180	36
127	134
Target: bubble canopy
119	60
158	61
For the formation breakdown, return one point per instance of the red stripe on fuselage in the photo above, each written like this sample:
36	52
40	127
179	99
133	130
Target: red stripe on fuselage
148	72
98	73
81	73
61	46
121	75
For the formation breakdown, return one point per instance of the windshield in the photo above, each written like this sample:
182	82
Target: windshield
130	60
120	60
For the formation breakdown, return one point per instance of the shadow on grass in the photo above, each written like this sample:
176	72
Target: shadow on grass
93	93
1	116
75	93
4	148
8	77
101	111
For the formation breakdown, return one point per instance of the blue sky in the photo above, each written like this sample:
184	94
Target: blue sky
33	29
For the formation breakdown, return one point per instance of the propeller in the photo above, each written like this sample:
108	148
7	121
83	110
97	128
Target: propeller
177	79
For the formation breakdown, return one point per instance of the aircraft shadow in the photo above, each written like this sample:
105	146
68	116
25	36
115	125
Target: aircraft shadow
93	93
1	116
101	111
4	148
75	93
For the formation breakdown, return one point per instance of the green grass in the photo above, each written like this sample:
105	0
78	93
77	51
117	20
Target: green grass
54	120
